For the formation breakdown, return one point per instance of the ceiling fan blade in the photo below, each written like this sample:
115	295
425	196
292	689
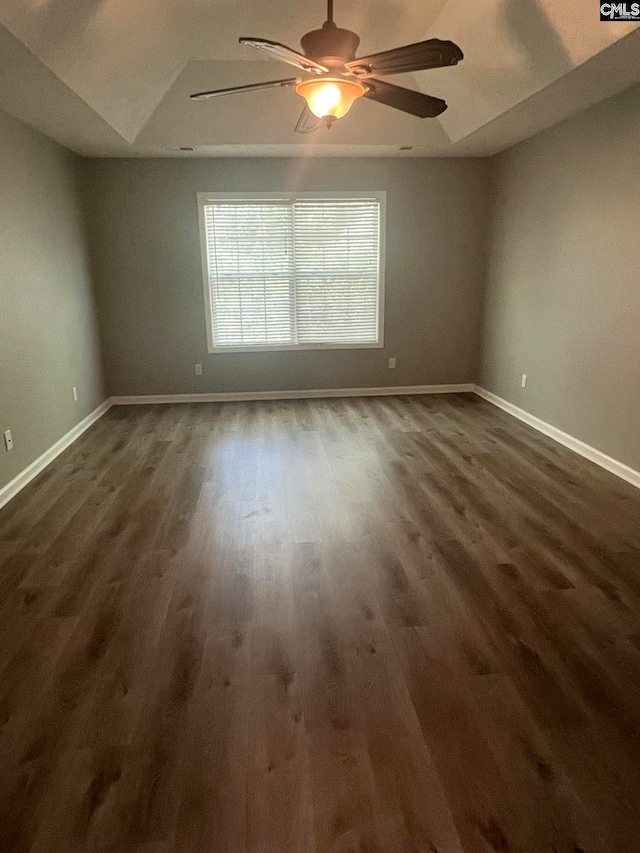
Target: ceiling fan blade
286	54
423	106
251	87
414	57
308	123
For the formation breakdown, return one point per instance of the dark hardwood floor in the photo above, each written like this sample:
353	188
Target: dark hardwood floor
401	624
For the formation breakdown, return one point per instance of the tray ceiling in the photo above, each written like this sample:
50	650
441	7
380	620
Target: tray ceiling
112	77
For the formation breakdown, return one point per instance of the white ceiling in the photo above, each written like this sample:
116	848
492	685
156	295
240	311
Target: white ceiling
112	77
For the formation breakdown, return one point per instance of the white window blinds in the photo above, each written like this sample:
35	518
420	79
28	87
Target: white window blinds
298	272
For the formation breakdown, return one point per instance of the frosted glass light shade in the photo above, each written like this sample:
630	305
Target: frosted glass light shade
330	96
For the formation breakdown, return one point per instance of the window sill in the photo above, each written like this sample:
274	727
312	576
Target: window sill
295	348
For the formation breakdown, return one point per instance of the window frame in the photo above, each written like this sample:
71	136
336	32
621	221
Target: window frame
204	198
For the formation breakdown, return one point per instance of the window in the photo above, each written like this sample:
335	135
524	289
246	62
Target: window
300	271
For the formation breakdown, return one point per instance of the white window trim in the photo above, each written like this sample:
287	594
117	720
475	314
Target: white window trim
204	198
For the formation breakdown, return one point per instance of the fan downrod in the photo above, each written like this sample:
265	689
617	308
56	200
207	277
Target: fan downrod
331	45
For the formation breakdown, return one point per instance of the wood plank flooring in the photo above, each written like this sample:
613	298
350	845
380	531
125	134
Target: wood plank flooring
402	624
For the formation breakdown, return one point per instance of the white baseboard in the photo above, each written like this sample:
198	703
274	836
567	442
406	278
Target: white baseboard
607	462
146	399
18	483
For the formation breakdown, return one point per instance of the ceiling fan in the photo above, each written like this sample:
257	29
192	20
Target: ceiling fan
338	78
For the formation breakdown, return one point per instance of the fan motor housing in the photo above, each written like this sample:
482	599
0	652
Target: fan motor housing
331	46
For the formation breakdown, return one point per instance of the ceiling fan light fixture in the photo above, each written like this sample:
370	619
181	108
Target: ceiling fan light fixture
330	97
331	54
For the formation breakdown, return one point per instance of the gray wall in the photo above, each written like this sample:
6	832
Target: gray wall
145	246
563	297
48	329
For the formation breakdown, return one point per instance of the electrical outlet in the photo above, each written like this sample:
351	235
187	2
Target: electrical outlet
8	440
392	363
524	380
74	391
198	370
